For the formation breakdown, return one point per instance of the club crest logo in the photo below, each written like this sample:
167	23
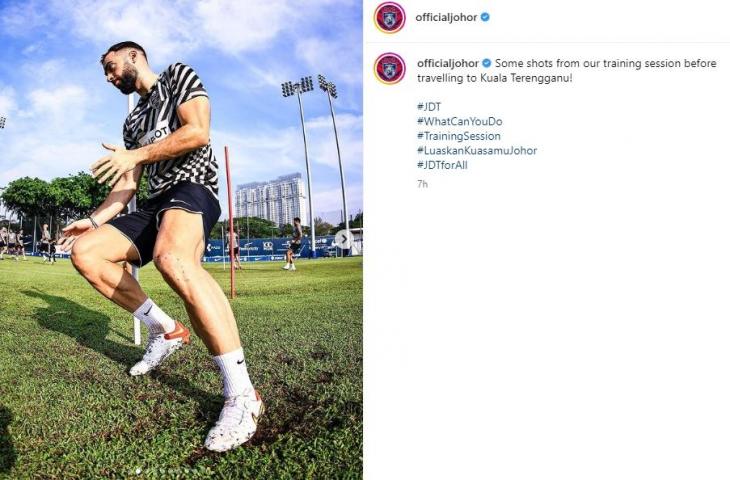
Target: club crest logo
155	101
390	68
389	17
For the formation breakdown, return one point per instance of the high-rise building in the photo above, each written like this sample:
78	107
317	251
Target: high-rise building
278	200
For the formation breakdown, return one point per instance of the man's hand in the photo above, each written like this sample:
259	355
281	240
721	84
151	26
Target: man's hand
74	231
112	167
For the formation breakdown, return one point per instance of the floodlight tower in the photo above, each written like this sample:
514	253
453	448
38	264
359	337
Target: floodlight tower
287	90
331	89
2	122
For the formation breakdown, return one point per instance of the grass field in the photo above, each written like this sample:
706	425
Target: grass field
68	408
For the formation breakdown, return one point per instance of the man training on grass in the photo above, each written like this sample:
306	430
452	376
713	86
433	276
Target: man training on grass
168	134
294	245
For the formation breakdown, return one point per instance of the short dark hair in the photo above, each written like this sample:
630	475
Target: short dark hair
118	46
297	219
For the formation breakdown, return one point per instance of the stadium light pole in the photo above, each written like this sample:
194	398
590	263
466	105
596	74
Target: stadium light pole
287	90
331	90
132	207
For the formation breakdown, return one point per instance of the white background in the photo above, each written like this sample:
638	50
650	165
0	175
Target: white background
579	327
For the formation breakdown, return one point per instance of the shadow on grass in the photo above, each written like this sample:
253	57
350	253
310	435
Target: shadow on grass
302	416
91	328
7	451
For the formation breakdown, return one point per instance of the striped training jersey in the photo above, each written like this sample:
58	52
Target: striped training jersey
155	117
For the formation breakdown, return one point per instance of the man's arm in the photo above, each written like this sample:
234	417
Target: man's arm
119	197
194	133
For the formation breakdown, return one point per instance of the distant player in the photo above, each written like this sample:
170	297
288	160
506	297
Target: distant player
3	242
46	243
294	245
12	245
236	252
52	250
20	245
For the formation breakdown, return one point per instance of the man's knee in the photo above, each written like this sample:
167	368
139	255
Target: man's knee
83	256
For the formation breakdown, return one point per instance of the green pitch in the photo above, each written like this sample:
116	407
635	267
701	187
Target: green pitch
68	409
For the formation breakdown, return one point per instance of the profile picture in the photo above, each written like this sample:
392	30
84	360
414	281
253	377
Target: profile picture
389	17
390	68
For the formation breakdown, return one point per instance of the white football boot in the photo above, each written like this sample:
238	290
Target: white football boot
159	347
285	267
236	423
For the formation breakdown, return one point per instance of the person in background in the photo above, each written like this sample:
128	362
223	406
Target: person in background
20	245
294	245
46	243
3	242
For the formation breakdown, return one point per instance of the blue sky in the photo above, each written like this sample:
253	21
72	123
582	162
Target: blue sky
60	108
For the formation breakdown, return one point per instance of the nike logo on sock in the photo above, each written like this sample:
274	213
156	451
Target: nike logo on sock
240	361
148	311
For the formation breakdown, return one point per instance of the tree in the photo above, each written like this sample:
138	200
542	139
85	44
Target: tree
253	228
28	197
322	228
356	222
74	196
286	230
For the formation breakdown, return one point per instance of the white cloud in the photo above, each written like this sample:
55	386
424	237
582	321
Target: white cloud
172	30
48	136
161	25
45	157
22	19
336	59
33	49
44	72
7	100
328	203
323	146
60	110
237	26
266	153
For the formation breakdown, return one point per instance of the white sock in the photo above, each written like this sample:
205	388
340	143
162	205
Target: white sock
234	373
156	320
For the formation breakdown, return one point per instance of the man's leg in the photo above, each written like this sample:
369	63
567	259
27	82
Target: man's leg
177	254
96	255
178	249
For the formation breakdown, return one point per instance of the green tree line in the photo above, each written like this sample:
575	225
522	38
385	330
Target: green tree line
255	227
74	196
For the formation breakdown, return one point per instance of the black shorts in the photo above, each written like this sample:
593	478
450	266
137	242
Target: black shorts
294	247
141	227
235	250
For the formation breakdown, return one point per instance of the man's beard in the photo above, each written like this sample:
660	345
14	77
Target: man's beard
129	78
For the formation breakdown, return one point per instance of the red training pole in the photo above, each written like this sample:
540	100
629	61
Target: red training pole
230	223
